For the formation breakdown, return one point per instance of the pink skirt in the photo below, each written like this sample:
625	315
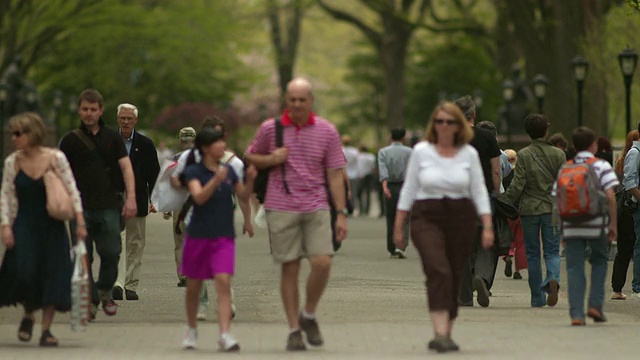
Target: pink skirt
204	258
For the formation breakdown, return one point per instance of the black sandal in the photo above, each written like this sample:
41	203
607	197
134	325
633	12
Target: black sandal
25	331
48	340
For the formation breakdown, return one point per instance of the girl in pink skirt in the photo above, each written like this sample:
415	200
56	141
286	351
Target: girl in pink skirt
209	247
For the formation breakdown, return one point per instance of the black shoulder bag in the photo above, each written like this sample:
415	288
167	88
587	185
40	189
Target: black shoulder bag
260	184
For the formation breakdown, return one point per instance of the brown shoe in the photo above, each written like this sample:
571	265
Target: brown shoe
295	343
596	315
552	299
312	330
578	322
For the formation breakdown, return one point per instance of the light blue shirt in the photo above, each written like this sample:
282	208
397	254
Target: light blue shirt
128	142
630	179
392	161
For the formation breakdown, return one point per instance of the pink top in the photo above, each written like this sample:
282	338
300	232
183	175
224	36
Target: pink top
313	149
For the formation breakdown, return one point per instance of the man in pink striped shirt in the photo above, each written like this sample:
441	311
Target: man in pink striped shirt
297	203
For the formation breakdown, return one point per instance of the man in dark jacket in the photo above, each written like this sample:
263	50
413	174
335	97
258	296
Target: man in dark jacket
144	160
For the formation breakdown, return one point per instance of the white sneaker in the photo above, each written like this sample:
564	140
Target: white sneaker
202	313
635	295
190	338
400	254
227	343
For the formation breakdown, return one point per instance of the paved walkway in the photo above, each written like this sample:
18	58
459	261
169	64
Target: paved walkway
374	307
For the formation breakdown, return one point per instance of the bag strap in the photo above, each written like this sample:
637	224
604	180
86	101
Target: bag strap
546	170
85	139
280	143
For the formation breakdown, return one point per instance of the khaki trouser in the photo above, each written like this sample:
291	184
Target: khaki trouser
177	242
133	240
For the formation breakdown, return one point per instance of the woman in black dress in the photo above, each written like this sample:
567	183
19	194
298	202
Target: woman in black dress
36	269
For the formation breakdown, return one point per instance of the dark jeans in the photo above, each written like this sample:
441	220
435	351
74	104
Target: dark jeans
626	243
482	263
391	205
103	227
364	194
381	198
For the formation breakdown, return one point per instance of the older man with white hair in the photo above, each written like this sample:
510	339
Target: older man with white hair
144	160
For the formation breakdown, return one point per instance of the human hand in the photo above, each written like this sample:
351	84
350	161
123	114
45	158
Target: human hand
7	237
280	155
341	228
387	193
247	228
152	209
221	174
251	173
81	232
130	208
487	238
613	232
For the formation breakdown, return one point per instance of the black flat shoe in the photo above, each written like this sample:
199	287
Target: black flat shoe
440	344
25	331
48	340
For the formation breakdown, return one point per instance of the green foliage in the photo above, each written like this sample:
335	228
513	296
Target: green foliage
154	55
446	71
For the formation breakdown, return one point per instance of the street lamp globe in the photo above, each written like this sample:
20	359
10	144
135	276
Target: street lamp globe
507	90
580	67
628	60
540	83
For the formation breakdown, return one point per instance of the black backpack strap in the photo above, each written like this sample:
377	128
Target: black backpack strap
280	143
85	139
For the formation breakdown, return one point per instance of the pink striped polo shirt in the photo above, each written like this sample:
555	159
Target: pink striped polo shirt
313	149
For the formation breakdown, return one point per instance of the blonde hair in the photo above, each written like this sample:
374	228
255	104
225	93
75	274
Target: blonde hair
463	135
31	124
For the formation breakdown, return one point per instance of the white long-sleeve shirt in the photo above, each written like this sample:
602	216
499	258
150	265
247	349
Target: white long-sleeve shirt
433	176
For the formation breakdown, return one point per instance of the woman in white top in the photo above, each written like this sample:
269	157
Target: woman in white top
445	193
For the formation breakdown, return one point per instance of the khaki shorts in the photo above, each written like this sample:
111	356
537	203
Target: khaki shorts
296	235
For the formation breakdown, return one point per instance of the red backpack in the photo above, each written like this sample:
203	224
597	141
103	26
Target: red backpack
580	196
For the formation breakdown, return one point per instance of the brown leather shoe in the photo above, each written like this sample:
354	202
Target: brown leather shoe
596	315
552	299
578	322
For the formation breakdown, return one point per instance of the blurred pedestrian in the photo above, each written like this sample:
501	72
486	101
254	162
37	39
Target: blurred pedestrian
103	171
144	160
445	193
36	269
597	232
604	151
209	246
626	235
537	169
366	168
299	219
392	167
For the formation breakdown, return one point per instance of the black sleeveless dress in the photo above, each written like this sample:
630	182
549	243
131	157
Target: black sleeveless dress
37	270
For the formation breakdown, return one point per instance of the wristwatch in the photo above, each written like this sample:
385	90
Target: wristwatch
342	211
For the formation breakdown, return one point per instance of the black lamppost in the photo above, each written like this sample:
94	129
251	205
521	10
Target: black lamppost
540	83
580	67
478	99
57	103
628	60
507	95
4	95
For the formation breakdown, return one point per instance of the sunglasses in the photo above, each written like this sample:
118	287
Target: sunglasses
449	122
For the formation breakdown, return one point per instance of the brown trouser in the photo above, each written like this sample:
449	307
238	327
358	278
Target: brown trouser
442	232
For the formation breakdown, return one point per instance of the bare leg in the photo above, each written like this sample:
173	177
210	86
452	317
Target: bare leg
223	295
47	316
191	301
440	320
289	292
317	281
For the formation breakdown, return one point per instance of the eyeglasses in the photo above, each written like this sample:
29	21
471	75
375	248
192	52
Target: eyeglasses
449	122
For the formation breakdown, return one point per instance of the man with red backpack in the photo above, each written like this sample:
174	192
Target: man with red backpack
587	207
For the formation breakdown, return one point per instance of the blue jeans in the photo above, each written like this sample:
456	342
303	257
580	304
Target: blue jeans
577	283
635	284
532	227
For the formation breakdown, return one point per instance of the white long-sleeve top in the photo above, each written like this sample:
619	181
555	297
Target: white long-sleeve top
433	176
